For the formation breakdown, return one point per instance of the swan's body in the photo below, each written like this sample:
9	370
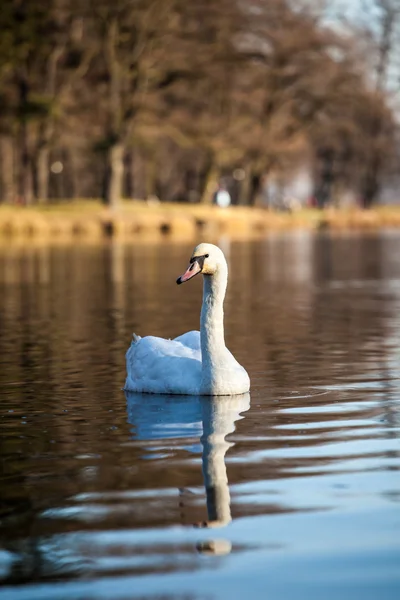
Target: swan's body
196	362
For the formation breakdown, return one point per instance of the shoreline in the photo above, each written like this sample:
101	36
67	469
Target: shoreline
135	220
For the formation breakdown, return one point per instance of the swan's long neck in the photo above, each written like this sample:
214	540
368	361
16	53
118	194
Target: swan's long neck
212	316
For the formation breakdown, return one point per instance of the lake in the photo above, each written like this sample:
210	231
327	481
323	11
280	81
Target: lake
292	491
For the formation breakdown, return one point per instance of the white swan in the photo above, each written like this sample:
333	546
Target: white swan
196	362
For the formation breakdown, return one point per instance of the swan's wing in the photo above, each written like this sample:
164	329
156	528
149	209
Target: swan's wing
158	366
191	339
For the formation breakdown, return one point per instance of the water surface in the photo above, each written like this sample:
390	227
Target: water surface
291	491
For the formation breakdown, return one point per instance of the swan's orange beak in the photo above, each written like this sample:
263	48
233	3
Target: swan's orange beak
193	269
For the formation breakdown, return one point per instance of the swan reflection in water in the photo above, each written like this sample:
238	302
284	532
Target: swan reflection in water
210	418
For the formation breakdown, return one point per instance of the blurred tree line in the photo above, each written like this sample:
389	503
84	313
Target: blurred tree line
163	98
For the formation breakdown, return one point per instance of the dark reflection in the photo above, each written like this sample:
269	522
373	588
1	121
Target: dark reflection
161	417
161	421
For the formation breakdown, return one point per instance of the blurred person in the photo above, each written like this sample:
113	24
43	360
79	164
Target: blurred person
222	197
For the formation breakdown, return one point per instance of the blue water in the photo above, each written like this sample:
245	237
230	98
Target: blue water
292	491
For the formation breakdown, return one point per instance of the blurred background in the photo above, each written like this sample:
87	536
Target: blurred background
129	131
280	102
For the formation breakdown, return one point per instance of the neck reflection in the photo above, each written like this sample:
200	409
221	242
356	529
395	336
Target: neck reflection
219	415
212	418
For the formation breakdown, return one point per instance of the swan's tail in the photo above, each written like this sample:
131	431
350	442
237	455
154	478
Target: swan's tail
135	338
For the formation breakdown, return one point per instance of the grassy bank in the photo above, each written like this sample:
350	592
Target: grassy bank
89	219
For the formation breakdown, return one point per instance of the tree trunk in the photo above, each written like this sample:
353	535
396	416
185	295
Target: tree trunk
42	166
46	131
244	189
25	179
151	177
116	150
139	175
42	156
7	170
116	175
25	172
71	176
323	191
371	182
129	174
254	188
210	184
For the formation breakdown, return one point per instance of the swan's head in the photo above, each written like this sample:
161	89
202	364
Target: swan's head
206	259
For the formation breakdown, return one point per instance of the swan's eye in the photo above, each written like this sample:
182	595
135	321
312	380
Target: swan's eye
206	255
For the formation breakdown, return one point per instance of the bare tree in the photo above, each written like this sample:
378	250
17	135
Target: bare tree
166	97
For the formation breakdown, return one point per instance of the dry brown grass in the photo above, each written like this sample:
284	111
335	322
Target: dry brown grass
136	220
